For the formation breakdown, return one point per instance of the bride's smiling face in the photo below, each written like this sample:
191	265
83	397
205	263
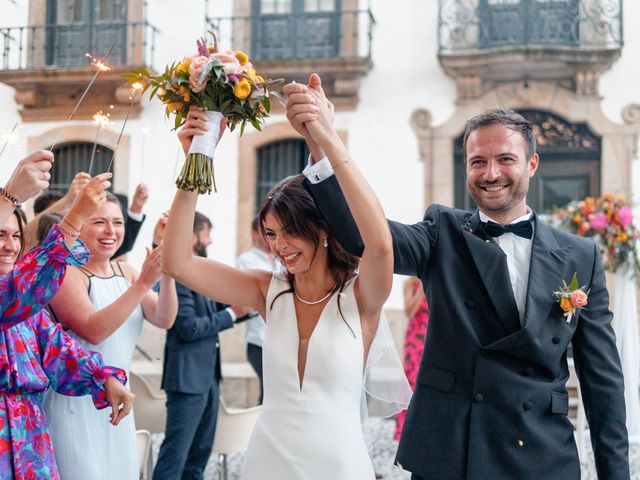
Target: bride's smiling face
296	253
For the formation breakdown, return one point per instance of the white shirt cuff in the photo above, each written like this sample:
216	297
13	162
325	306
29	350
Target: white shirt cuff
233	315
138	217
319	171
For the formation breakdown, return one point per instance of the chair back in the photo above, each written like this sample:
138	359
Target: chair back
234	428
143	442
149	408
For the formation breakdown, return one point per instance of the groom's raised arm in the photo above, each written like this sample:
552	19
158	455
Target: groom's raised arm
412	244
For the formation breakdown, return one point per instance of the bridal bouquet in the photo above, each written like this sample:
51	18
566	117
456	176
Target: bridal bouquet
609	219
225	85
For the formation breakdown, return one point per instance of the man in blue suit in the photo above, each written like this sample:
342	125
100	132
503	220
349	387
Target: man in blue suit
191	375
490	401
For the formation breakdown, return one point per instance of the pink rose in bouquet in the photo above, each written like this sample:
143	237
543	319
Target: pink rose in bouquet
198	73
229	61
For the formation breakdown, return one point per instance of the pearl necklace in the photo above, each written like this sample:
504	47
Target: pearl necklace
295	291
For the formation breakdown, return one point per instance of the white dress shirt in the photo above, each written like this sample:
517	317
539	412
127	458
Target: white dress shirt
518	251
254	258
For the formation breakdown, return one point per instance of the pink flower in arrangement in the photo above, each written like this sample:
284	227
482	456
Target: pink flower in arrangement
198	75
598	221
626	216
578	299
231	63
203	51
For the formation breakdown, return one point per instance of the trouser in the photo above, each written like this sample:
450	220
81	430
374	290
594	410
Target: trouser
189	434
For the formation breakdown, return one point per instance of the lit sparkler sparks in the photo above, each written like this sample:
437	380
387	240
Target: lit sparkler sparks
101	66
135	88
8	137
100	119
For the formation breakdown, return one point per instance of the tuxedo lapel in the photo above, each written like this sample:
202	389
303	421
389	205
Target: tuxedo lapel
546	272
491	263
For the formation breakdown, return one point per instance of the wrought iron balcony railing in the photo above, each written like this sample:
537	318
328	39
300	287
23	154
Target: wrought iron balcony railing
311	35
42	46
486	24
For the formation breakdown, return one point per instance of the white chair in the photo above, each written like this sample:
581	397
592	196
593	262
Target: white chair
233	431
150	408
143	442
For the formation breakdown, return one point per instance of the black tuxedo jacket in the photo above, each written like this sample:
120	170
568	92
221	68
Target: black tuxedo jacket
491	401
191	352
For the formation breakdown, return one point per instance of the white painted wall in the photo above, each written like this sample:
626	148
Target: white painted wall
406	76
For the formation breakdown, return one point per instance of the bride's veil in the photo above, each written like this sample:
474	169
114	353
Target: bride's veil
385	390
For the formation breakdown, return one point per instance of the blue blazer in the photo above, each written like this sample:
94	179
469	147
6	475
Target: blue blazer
491	400
191	352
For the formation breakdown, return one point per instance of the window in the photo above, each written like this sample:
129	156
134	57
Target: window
525	22
295	29
72	158
277	161
569	164
76	27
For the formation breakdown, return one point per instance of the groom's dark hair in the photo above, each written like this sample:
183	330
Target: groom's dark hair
510	119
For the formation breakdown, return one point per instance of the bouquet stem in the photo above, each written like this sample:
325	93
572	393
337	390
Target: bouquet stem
198	173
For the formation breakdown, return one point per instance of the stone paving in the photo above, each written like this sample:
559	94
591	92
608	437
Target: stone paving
383	454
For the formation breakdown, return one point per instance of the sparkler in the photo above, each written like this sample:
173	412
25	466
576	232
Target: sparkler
144	130
136	87
100	119
101	66
8	137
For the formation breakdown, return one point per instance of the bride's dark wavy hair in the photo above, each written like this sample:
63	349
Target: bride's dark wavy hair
299	216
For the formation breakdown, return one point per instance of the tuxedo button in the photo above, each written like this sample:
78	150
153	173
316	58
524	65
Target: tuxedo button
469	304
520	443
478	398
527	371
527	406
555	340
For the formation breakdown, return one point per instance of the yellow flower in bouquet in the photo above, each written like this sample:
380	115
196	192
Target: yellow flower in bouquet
242	89
216	81
242	57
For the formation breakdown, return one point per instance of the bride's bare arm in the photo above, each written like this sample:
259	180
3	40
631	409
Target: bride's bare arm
212	279
310	107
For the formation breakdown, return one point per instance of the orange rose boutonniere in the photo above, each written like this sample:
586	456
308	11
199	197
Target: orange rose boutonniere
571	297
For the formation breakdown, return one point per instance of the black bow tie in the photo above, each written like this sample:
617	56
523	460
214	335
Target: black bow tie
523	229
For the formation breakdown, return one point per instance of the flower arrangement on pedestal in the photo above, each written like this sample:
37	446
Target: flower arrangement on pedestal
225	85
609	219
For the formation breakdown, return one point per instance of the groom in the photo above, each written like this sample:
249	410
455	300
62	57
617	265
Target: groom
491	401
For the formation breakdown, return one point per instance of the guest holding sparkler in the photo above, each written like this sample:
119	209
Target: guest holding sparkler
103	305
35	353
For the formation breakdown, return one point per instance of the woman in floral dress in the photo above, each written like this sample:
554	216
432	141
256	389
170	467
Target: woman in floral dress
35	353
417	311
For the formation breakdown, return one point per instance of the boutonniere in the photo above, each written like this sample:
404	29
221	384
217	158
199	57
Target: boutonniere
571	297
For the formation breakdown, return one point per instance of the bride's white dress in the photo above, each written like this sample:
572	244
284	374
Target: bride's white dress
312	432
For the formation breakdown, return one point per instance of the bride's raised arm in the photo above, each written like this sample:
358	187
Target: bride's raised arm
212	279
308	106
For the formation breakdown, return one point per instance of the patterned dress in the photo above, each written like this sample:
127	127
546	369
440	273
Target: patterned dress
412	352
36	353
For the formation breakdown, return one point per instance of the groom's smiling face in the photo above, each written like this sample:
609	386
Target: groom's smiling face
498	171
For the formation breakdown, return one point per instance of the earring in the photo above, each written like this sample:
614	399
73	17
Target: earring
325	243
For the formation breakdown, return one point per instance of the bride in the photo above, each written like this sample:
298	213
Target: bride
323	321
